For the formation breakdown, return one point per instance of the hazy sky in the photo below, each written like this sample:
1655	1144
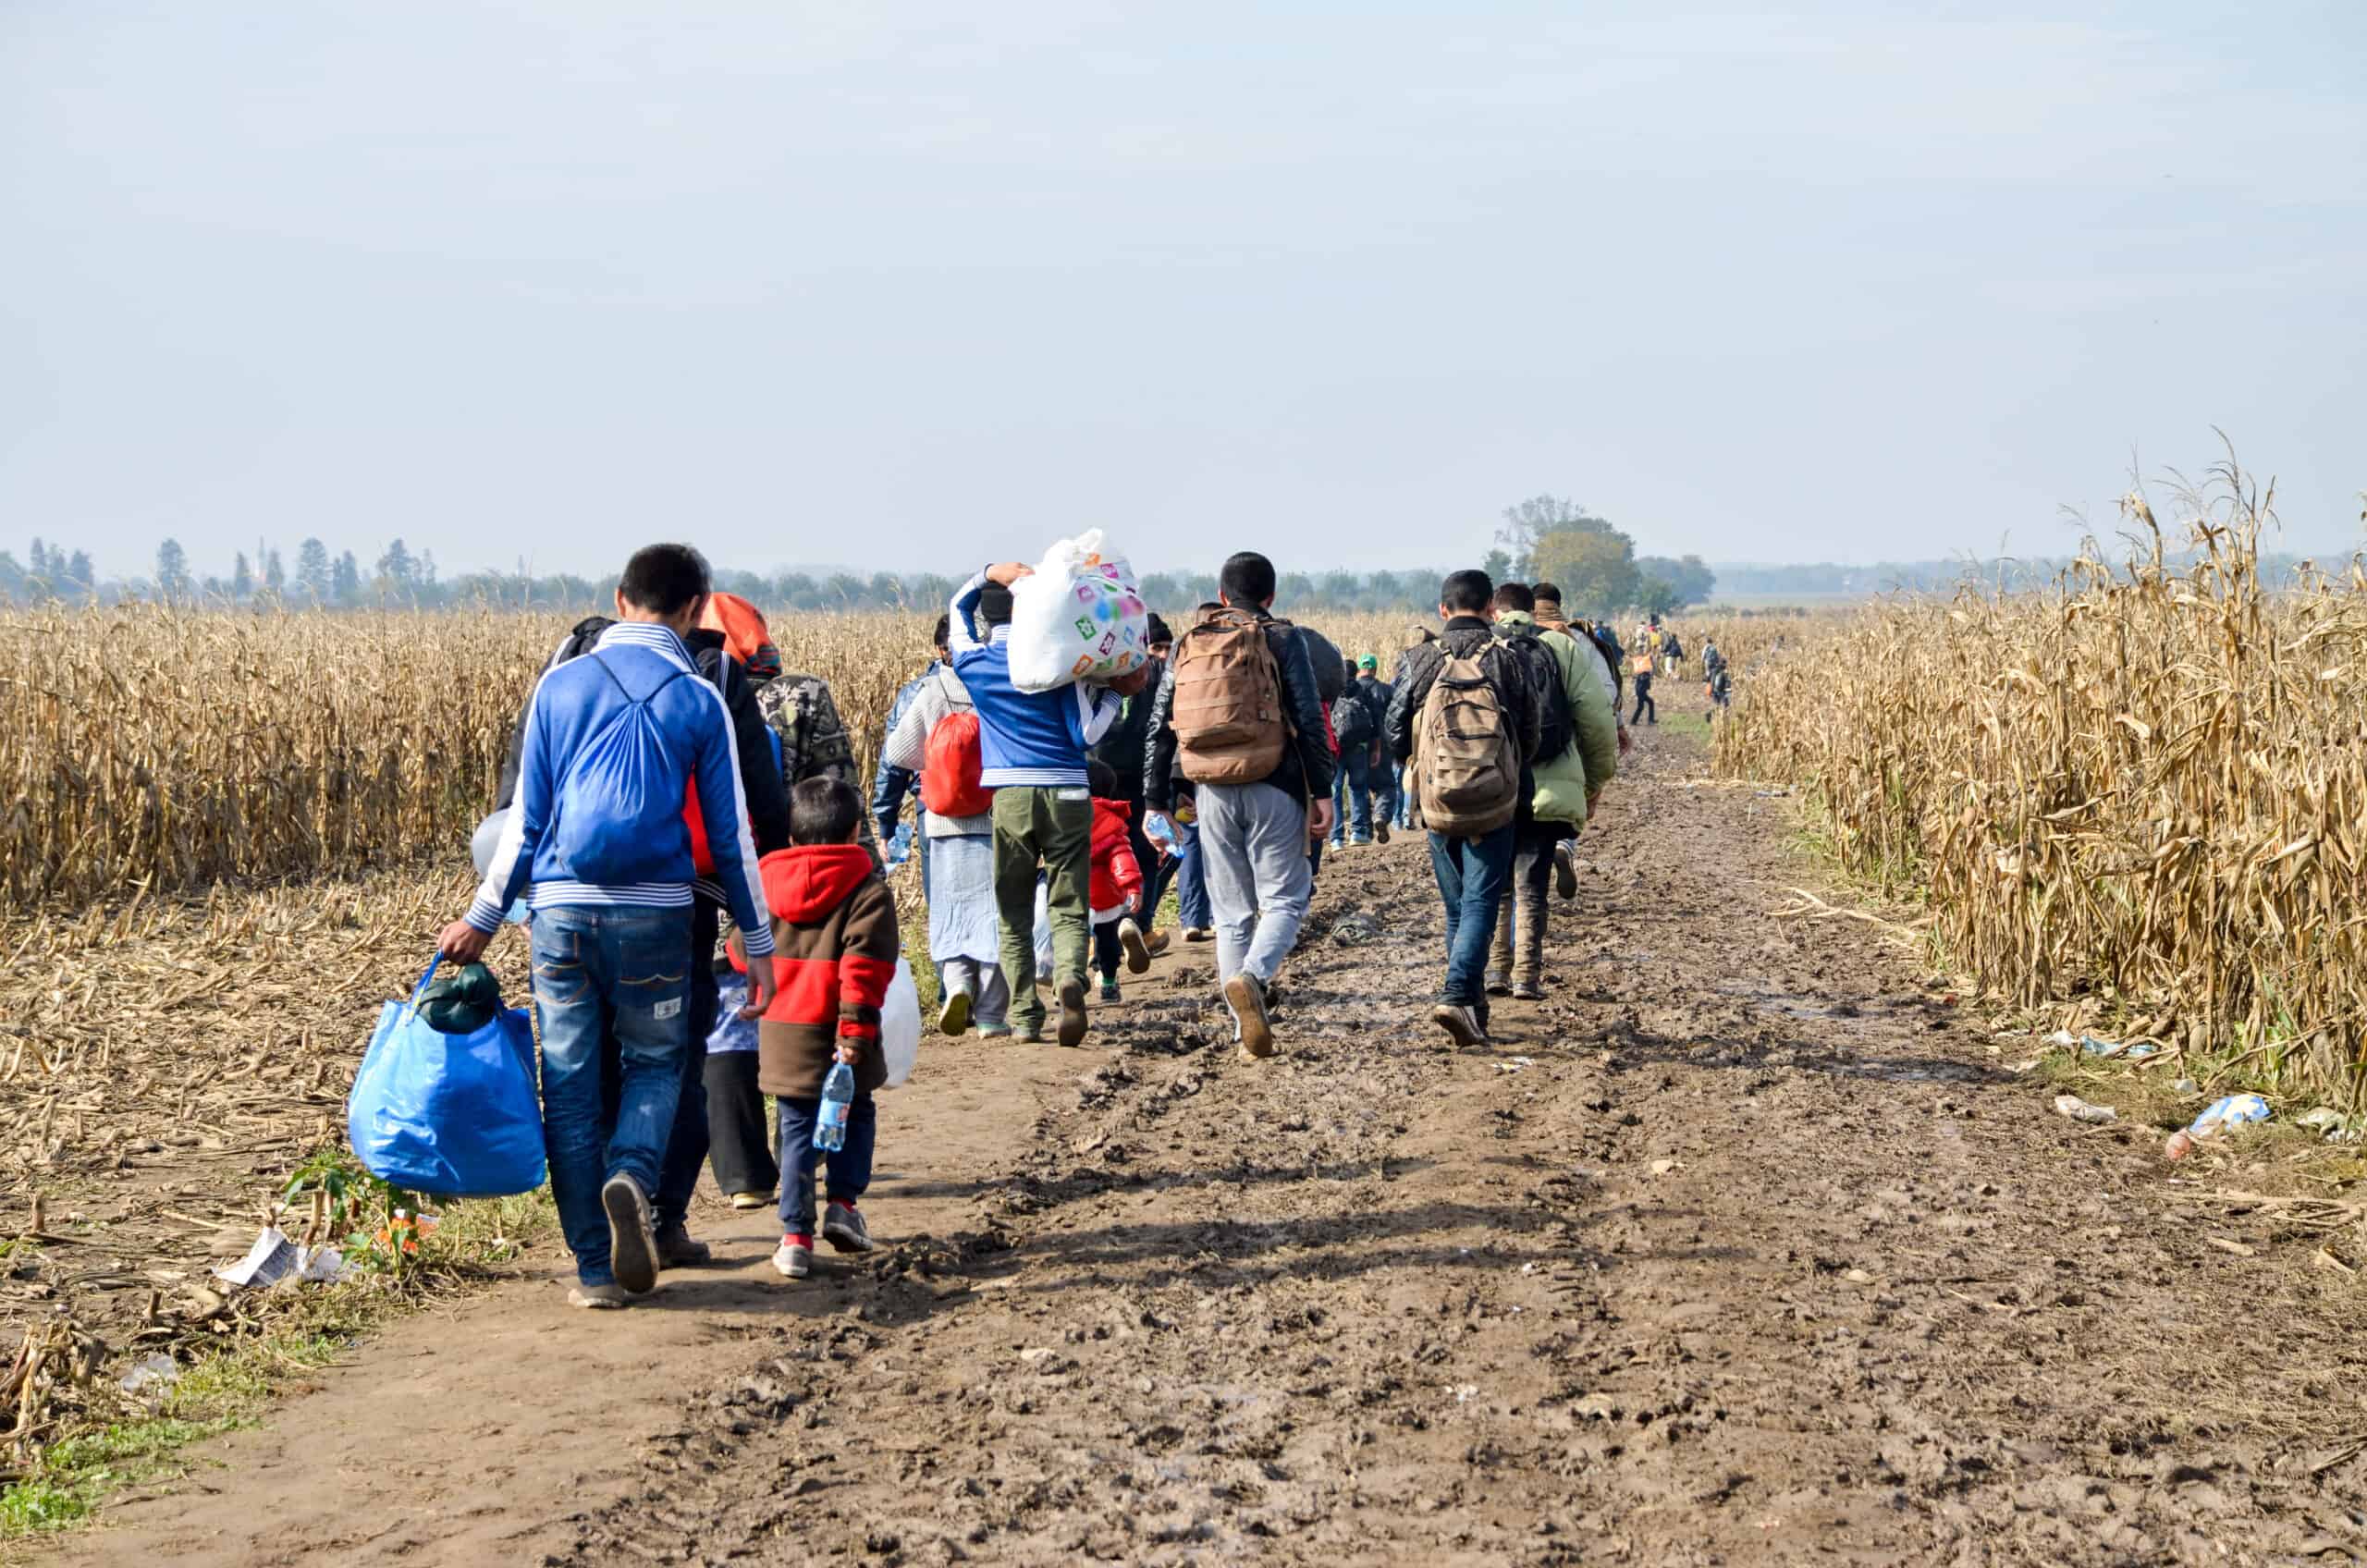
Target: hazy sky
910	284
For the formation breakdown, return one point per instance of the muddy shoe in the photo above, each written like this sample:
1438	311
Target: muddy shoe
1499	985
1462	1024
1529	991
794	1257
1071	1012
999	1032
633	1241
677	1249
752	1200
1156	941
596	1298
844	1229
1110	992
1199	934
1030	1034
1381	831
1130	936
1247	999
1565	872
954	1016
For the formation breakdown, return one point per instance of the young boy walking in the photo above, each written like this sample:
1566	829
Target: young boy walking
1117	885
613	742
1466	718
834	931
1032	746
1239	721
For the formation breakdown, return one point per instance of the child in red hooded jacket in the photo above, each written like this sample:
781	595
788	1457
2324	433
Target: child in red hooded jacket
1117	885
835	942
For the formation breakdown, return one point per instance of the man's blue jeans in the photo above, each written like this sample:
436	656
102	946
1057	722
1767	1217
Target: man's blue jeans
1472	876
598	972
1352	794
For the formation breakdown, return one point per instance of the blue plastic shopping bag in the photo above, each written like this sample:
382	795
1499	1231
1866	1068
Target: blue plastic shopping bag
453	1115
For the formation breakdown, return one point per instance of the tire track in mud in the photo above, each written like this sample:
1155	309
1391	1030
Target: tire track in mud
1738	1248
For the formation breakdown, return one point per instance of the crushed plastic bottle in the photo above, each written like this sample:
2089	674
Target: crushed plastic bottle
2229	1110
837	1101
2079	1109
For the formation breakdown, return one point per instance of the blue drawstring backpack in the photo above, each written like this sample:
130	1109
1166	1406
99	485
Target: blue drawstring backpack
451	1115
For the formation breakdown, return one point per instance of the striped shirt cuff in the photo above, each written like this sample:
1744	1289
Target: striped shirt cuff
485	917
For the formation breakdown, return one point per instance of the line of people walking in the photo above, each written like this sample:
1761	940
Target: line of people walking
666	774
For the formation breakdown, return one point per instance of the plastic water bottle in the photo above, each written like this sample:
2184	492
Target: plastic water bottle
837	1101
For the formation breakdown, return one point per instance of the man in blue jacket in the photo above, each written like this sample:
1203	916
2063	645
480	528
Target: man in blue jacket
1033	745
614	742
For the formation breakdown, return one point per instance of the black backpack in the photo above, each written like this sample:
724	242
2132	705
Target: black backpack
1556	728
1351	719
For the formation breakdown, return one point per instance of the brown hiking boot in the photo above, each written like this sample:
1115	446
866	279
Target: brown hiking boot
1130	938
1247	999
1071	1012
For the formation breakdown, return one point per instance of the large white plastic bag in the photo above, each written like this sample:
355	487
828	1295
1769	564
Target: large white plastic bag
1079	616
899	1026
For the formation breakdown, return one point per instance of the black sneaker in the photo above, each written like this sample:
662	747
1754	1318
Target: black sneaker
1565	872
1529	991
1071	1012
678	1249
1462	1024
1499	985
1381	831
633	1241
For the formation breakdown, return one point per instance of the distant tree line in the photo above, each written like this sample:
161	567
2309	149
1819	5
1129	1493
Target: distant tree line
1595	565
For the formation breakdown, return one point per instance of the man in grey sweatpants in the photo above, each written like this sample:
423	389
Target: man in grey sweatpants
1255	835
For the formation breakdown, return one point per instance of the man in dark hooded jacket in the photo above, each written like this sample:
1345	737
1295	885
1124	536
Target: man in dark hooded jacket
1472	871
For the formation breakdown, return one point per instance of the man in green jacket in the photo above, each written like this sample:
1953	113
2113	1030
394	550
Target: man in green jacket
1567	783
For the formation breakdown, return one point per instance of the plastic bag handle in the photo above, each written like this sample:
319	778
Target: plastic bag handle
420	989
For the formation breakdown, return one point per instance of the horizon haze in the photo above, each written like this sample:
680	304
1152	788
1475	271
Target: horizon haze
1844	284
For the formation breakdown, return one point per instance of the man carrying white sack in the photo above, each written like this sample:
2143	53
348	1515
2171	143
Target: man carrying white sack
1033	745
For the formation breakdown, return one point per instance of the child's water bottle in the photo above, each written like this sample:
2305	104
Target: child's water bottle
838	1100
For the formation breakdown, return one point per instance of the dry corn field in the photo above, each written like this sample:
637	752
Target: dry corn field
152	748
2142	795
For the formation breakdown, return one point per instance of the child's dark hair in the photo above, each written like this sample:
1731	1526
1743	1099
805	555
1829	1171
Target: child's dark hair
1105	779
1516	596
823	811
661	578
1467	593
940	638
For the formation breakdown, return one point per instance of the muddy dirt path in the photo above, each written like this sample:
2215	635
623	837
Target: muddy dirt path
1741	1248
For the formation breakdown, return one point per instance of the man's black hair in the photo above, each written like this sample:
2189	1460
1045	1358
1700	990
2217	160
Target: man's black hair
1247	579
823	811
1102	780
1210	605
1547	591
1516	596
994	605
939	638
1467	593
662	578
1159	631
